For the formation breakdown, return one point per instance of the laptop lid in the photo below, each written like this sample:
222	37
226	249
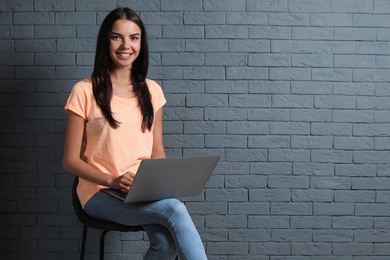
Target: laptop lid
171	178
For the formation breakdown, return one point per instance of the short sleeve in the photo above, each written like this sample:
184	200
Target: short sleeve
77	101
158	98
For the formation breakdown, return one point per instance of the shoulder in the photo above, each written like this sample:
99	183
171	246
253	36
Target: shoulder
154	87
84	86
152	84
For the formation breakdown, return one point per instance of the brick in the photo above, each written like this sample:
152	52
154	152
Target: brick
140	5
316	169
277	195
331	129
332	74
225	31
289	46
206	100
268	142
354	222
248	18
263	114
334	183
228	114
355	170
288	182
17	32
271	248
290	74
75	18
358	89
310	115
289	128
345	6
291	235
210	127
269	60
270	32
232	248
206	45
312	60
354	196
335	47
220	5
19	6
325	156
235	73
267	5
183	59
365	20
161	18
86	6
204	18
249	45
87	31
331	19
250	235
312	249
245	155
355	34
75	45
183	32
304	195
175	5
303	33
225	59
312	222
283	168
289	19
49	6
316	6
231	141
204	73
54	32
33	18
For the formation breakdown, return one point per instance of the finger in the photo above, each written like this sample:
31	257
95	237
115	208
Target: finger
124	186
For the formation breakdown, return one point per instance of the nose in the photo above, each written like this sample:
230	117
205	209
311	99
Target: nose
126	43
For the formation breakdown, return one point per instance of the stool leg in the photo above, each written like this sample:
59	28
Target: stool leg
85	232
102	236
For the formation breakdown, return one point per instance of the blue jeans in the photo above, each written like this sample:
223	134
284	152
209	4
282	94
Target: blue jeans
167	223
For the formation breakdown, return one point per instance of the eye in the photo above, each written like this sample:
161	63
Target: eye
115	37
134	38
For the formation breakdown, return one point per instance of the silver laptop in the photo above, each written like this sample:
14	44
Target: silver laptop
158	179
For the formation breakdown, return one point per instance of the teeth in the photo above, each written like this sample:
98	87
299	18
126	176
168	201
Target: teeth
124	54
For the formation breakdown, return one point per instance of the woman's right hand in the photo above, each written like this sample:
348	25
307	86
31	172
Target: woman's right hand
123	182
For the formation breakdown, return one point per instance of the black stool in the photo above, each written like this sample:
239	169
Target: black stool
90	222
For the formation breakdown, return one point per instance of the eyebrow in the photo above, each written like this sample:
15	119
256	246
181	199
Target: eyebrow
134	34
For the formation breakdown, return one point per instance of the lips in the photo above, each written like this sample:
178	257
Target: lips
123	54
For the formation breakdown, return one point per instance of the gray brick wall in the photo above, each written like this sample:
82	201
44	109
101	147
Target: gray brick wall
293	94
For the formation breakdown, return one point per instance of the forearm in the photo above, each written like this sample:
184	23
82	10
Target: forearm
87	172
158	153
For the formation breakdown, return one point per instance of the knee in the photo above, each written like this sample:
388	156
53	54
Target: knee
162	245
177	208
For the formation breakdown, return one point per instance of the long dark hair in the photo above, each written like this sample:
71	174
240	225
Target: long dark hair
101	81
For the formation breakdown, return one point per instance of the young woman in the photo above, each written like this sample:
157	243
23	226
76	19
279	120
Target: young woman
115	121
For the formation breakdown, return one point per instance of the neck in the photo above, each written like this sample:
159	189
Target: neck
121	76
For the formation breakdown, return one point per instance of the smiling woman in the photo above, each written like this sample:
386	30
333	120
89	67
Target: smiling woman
115	120
125	43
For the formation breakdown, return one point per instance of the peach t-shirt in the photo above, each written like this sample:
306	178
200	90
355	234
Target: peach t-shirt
112	151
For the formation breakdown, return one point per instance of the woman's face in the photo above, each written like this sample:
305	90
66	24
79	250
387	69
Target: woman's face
125	43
